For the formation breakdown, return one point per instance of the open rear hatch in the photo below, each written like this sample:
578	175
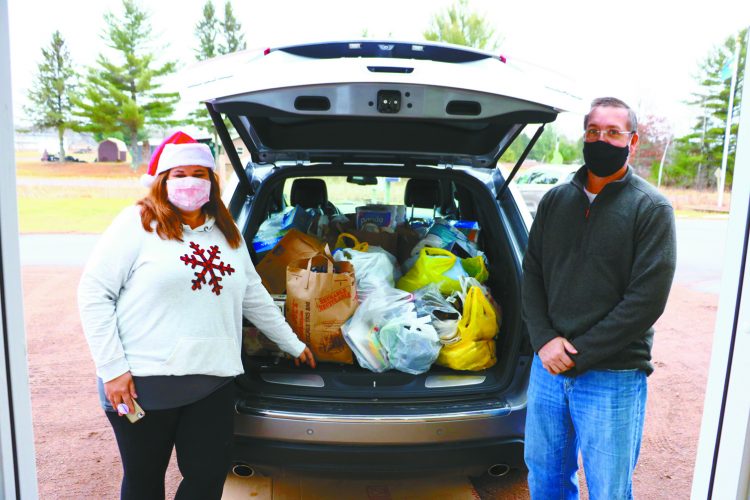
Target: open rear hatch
385	103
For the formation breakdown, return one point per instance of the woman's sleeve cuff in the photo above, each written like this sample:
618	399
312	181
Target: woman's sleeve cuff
112	369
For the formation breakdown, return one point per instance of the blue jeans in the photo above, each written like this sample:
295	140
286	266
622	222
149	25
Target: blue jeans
600	413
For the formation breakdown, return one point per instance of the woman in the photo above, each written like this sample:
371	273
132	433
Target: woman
161	301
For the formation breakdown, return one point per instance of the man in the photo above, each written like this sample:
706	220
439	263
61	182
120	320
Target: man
597	273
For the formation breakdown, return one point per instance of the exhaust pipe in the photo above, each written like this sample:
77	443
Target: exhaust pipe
243	470
498	470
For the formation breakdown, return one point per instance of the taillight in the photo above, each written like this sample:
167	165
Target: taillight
502	58
267	51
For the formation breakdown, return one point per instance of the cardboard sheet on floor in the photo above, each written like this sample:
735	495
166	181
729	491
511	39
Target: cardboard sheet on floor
289	486
257	488
455	488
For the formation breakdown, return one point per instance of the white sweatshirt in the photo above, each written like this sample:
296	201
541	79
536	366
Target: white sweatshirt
145	309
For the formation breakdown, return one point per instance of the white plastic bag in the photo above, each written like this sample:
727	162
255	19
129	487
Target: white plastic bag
361	331
412	345
444	317
376	268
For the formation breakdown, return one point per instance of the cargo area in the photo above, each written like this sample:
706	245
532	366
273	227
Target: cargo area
408	212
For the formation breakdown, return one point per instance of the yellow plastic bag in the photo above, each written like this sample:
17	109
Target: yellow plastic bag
435	265
431	266
477	330
476	268
345	238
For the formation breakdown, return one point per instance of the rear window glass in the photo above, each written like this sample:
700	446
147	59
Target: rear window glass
346	194
374	204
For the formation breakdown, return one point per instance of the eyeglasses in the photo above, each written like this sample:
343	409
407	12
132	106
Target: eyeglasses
612	134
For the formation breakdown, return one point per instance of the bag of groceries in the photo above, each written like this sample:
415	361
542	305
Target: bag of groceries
477	330
295	245
320	297
361	331
443	316
374	268
434	265
412	344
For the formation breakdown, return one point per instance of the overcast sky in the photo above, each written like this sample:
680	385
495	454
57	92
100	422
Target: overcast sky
643	51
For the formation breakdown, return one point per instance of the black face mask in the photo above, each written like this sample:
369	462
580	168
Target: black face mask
603	159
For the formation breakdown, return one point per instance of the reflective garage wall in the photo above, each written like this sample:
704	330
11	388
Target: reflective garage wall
722	468
17	465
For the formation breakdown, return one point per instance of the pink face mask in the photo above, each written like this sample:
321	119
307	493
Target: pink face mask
188	193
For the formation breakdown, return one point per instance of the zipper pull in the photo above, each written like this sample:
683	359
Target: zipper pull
587	212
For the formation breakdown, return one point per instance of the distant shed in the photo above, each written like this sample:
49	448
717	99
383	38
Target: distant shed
112	150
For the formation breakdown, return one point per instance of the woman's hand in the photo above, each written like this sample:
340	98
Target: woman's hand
121	390
305	357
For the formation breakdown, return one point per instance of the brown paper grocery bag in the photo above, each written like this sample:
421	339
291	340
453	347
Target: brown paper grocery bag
293	246
320	297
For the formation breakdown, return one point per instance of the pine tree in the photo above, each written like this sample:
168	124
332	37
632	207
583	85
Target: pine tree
121	96
207	30
233	36
460	26
53	90
699	154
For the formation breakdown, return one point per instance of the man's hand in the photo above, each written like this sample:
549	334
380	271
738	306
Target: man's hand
554	355
121	390
305	357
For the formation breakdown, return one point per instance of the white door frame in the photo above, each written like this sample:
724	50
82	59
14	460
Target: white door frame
17	462
722	467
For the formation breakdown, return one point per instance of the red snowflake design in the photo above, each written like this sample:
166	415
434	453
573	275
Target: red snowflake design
208	265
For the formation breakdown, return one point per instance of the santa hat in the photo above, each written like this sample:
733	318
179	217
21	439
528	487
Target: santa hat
177	150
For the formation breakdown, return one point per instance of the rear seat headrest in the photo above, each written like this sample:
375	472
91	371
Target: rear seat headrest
309	193
422	193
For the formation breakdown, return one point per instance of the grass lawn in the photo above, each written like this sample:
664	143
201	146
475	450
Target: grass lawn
68	215
70	206
95	170
89	206
700	214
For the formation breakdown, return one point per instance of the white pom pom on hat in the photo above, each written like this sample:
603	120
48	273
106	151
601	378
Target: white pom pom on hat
178	150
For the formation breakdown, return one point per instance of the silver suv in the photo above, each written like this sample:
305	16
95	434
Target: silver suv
372	122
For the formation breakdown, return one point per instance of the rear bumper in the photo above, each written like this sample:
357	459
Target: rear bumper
334	428
471	457
390	443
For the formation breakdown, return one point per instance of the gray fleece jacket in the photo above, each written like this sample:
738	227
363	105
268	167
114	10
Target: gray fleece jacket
599	274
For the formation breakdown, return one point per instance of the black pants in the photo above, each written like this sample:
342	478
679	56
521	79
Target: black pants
200	432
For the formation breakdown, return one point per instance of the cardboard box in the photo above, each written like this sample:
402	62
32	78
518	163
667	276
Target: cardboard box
386	240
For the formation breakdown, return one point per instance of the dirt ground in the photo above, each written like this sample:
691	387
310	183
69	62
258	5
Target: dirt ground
77	456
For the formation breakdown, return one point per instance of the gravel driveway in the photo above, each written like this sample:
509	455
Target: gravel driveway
77	456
